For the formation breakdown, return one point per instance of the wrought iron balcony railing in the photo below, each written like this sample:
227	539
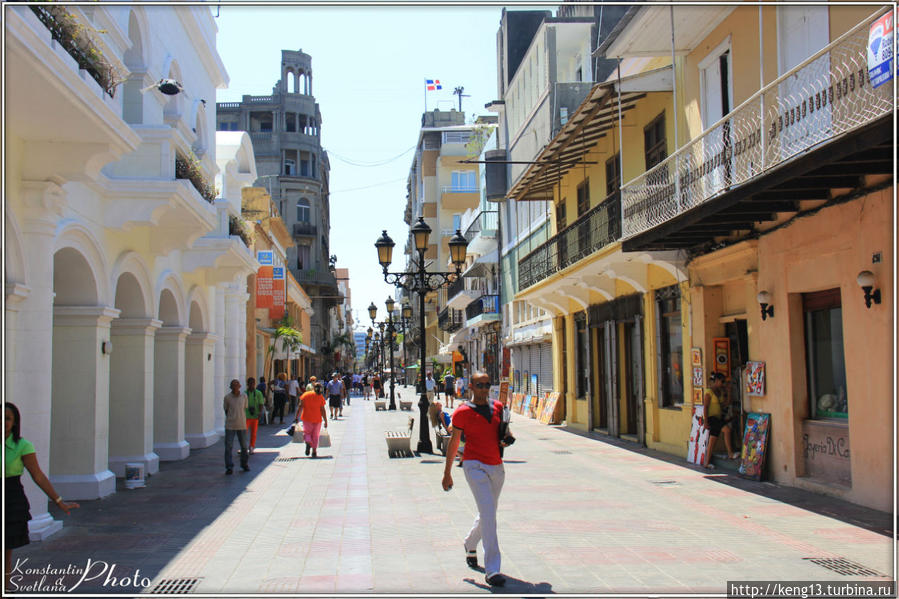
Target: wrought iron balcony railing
450	320
597	228
485	223
486	304
455	288
825	96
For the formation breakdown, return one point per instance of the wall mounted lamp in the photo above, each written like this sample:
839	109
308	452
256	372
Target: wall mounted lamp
866	281
764	300
106	347
169	87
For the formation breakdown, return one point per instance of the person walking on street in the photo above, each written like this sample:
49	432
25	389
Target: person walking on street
235	404
335	396
293	393
311	411
279	390
255	403
480	420
20	456
366	387
449	388
376	386
430	386
347	387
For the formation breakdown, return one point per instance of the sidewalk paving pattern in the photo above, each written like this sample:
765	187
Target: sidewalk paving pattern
576	515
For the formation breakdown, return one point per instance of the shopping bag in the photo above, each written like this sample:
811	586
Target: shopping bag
298	433
324	439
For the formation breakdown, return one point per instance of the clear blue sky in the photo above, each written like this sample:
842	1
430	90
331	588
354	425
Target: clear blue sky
368	68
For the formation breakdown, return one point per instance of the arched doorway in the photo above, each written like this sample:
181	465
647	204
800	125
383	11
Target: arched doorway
199	400
131	379
168	380
79	423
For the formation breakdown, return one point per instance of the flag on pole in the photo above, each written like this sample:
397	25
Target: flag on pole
433	85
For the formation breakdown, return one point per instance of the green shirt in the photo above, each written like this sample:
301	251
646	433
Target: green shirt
255	400
14	453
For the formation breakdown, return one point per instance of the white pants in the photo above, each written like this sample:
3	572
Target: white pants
486	482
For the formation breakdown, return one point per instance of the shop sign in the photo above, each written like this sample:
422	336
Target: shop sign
265	257
825	450
880	50
264	287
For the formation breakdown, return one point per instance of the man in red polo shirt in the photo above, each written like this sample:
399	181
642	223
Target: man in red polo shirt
482	463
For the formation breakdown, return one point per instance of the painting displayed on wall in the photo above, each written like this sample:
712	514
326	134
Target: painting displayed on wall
697	376
755	445
699	438
696	356
755	379
722	355
697	395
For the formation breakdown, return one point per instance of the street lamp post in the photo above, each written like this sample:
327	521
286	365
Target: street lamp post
390	333
406	314
421	281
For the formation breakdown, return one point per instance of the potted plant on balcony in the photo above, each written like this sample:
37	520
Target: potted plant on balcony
188	167
238	226
73	36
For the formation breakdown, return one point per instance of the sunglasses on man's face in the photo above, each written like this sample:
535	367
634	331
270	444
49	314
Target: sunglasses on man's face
482	385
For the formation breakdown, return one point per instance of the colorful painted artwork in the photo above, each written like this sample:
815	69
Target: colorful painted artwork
722	355
755	379
697	395
755	445
698	445
698	376
696	356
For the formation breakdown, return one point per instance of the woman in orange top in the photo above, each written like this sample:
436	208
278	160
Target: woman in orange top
312	412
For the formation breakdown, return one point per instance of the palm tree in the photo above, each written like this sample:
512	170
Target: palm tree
290	339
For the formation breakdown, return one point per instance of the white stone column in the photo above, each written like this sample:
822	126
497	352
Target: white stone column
242	299
30	388
79	454
168	394
131	395
218	358
232	336
199	399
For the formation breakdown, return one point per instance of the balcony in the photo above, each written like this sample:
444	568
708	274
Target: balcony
316	276
455	197
820	126
304	230
482	310
458	296
450	320
481	233
597	228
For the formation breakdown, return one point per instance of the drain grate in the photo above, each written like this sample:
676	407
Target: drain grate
175	586
843	566
562	451
286	459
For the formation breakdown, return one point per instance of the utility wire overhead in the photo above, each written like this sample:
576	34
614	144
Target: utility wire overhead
369	164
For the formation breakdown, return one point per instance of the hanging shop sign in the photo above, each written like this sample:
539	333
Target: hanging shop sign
880	50
264	287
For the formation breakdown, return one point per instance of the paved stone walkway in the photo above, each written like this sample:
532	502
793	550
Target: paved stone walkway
577	515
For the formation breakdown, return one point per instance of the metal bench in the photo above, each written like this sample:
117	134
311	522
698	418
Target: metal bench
442	439
400	442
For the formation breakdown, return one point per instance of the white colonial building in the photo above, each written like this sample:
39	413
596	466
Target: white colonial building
125	291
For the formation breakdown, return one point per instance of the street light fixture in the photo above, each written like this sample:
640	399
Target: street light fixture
406	314
391	332
421	282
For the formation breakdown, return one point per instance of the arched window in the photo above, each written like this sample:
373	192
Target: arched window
304	213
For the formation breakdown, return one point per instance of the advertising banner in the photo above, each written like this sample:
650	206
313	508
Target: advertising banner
880	50
264	287
279	293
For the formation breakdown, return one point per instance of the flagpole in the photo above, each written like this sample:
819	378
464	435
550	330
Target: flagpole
425	81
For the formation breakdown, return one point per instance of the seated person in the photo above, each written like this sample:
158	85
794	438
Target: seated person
439	418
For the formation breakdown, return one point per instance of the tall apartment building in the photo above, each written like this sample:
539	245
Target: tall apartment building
440	189
286	131
544	71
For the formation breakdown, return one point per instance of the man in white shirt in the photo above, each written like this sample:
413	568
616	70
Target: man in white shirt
293	392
